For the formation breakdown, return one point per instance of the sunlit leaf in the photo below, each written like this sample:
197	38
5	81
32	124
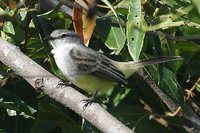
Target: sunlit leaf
134	30
198	87
2	12
14	104
197	4
8	27
11	112
22	13
113	10
112	35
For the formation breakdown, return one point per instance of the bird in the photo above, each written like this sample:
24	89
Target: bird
90	70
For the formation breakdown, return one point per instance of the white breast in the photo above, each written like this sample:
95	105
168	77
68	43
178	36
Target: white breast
64	61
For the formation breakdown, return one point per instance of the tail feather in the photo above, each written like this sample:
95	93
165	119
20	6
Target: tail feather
157	60
128	68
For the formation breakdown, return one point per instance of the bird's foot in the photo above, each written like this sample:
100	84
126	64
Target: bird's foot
39	84
62	84
87	102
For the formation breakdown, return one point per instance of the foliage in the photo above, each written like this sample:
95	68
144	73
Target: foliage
125	30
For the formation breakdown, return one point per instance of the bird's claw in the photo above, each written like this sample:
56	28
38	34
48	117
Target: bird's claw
87	102
39	84
62	84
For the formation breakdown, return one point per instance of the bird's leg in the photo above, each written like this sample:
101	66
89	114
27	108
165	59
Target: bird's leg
39	83
90	100
63	84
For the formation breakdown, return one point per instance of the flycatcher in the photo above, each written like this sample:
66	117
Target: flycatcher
91	70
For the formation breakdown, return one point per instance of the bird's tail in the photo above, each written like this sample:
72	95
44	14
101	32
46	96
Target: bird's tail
128	68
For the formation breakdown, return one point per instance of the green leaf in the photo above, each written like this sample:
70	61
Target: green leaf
53	116
136	118
135	33
8	106
6	37
168	84
198	87
8	27
36	48
12	102
128	114
187	47
112	35
171	2
169	24
2	12
197	4
22	13
113	10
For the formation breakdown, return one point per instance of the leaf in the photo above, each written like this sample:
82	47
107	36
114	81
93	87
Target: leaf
22	13
190	67
13	103
112	36
163	46
170	86
134	30
8	27
171	3
167	82
8	106
83	24
2	12
12	4
169	24
113	10
45	29
136	118
5	36
11	112
54	116
129	114
197	4
198	87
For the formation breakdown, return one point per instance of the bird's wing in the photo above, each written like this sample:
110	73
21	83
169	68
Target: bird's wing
91	62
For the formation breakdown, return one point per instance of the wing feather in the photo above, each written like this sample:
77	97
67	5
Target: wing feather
92	62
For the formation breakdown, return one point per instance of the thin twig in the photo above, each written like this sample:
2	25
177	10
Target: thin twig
189	92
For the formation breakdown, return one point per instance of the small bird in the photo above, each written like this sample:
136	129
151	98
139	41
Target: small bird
91	70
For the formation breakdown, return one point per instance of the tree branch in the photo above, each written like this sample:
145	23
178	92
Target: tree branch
192	123
11	56
47	5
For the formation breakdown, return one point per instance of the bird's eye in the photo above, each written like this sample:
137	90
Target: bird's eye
63	35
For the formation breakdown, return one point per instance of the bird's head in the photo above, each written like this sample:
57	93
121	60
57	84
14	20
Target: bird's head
63	37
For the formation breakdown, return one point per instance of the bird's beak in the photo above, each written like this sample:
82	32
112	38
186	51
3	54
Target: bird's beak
48	38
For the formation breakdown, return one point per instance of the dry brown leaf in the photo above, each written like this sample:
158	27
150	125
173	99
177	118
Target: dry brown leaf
83	21
12	4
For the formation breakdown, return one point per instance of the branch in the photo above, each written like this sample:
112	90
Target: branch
47	5
192	123
11	56
168	102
